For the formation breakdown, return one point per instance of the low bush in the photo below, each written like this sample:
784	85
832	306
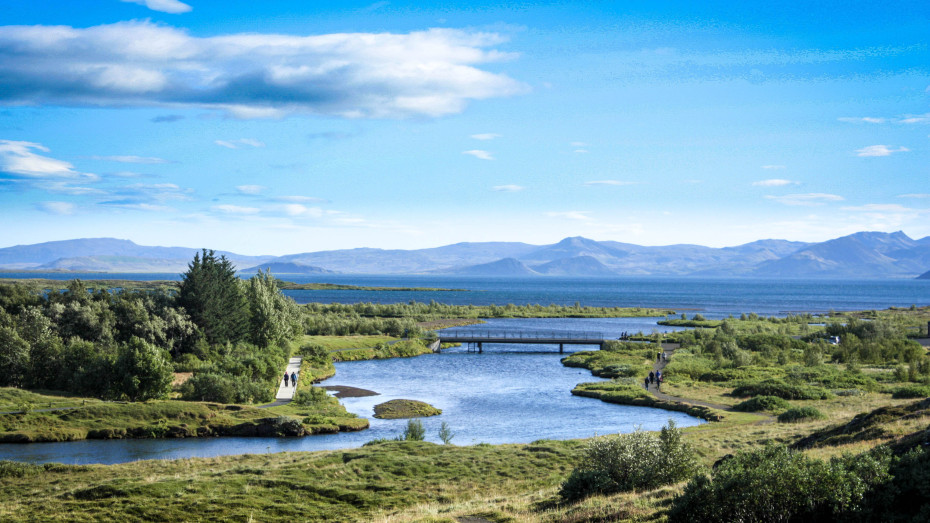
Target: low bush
797	414
760	403
781	389
624	462
778	484
911	391
310	396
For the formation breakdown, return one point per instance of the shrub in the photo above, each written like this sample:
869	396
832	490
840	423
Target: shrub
800	414
640	460
778	484
782	390
911	391
414	431
310	396
760	403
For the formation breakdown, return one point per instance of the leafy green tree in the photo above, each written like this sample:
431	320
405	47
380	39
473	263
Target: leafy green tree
211	293
273	317
14	358
141	371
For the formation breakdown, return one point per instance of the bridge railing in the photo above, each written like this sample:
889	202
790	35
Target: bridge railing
522	335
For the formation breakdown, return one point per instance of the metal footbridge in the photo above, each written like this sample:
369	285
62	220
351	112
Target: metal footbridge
479	338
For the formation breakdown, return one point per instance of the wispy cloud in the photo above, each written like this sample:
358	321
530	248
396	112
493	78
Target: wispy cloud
236	209
509	188
773	167
165	6
149	160
903	119
880	150
774	182
570	215
21	159
167	118
61	208
914	195
485	136
478	153
252	75
298	199
863	119
881	207
236	144
806	200
608	182
250	189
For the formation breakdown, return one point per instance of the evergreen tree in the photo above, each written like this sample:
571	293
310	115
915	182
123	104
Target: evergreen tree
212	295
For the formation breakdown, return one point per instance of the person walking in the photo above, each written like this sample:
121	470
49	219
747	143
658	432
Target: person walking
286	378
646	379
294	379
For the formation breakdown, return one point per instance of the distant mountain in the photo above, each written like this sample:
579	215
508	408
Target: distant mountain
505	267
575	266
83	255
863	254
860	255
924	276
286	268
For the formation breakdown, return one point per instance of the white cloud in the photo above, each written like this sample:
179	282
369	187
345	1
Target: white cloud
485	136
608	182
806	200
298	199
509	188
578	144
250	189
570	215
128	158
774	182
581	151
478	153
159	192
235	144
864	119
880	150
251	75
235	209
20	158
63	208
296	209
165	6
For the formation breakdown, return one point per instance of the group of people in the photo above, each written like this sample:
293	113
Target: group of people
292	378
654	378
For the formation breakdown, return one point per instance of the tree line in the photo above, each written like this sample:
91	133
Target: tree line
126	344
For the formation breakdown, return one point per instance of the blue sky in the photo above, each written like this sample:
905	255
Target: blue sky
285	127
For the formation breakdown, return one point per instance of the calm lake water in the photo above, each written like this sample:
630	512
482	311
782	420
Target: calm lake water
510	393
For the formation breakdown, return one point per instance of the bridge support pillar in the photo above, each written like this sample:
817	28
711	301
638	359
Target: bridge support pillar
480	349
561	348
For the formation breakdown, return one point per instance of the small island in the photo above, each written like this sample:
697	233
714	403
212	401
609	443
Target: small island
397	409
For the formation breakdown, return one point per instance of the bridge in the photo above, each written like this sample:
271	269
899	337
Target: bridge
479	338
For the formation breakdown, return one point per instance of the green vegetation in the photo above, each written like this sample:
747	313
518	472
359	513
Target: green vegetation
796	414
641	460
400	349
796	488
616	359
396	409
763	403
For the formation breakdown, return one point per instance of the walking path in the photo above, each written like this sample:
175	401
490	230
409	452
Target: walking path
286	393
654	389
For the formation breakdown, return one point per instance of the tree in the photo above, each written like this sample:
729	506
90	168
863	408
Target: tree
141	371
211	294
273	317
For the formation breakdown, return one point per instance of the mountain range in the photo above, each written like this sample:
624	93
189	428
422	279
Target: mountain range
859	255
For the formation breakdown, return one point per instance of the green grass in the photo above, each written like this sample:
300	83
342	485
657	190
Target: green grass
396	409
